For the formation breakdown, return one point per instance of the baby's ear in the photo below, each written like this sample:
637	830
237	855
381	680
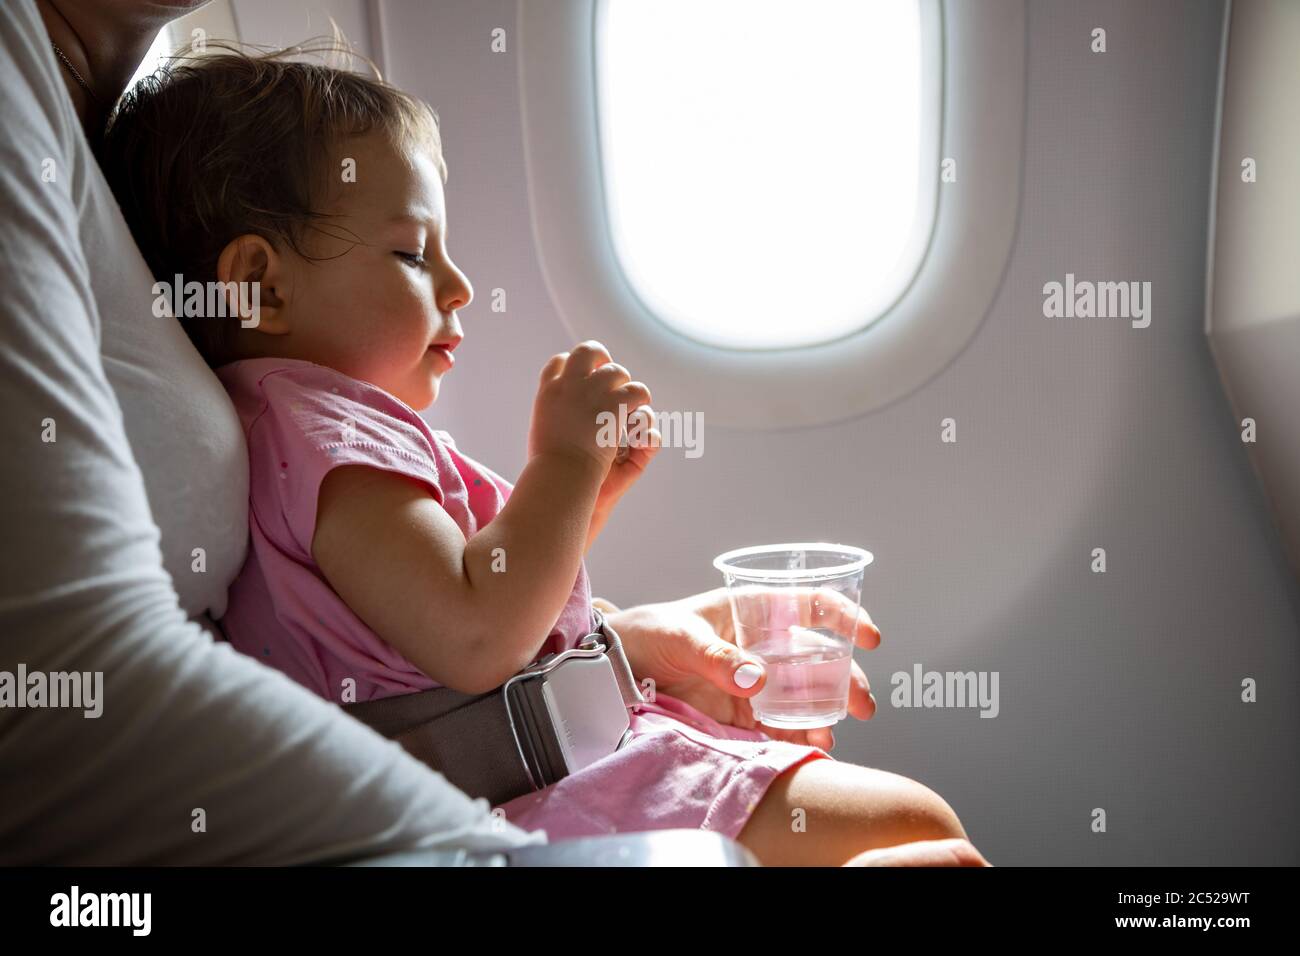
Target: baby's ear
259	292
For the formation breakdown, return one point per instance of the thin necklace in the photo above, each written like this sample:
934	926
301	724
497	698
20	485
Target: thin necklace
75	75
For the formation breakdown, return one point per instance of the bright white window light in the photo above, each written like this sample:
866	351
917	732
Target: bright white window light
160	48
762	162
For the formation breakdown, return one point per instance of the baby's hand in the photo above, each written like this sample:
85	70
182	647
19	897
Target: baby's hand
643	441
578	391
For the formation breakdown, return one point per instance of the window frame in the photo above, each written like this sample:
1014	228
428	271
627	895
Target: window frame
980	124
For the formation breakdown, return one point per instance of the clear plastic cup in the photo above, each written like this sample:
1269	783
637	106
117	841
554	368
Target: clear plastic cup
783	597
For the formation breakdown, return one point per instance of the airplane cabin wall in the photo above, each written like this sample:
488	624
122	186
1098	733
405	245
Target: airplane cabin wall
1118	690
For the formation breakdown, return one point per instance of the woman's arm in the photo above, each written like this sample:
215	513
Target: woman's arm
198	755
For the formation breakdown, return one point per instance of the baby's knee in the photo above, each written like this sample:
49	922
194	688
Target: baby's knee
924	815
846	809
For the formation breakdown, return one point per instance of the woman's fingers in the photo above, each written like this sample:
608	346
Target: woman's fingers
823	737
828	608
862	703
721	663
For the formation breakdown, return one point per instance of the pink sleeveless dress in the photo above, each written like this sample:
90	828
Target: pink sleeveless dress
681	769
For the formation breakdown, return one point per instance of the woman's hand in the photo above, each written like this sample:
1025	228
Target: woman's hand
688	648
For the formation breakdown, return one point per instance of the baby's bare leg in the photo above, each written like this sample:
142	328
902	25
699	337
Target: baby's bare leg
847	809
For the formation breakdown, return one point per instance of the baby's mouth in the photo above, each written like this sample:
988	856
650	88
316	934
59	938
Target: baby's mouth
445	353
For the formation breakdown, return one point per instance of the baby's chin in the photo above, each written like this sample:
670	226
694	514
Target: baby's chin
423	397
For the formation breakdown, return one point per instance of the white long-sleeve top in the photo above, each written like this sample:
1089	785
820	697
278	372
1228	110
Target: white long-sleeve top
200	755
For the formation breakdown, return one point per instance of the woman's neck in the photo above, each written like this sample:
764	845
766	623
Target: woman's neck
104	40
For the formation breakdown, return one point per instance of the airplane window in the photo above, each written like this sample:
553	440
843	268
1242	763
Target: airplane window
763	171
820	195
161	47
188	35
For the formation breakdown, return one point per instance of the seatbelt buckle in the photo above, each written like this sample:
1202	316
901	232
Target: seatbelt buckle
566	711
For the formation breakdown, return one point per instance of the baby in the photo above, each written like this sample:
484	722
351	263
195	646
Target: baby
324	188
381	554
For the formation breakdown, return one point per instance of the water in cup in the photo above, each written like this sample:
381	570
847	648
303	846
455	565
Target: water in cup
782	596
807	675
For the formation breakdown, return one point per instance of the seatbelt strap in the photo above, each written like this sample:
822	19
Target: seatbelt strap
483	744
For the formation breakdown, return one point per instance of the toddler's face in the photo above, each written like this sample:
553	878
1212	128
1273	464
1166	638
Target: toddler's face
383	289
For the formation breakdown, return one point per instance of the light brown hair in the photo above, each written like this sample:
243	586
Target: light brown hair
218	145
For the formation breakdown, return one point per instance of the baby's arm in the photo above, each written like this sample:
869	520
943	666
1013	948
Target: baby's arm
471	613
400	562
